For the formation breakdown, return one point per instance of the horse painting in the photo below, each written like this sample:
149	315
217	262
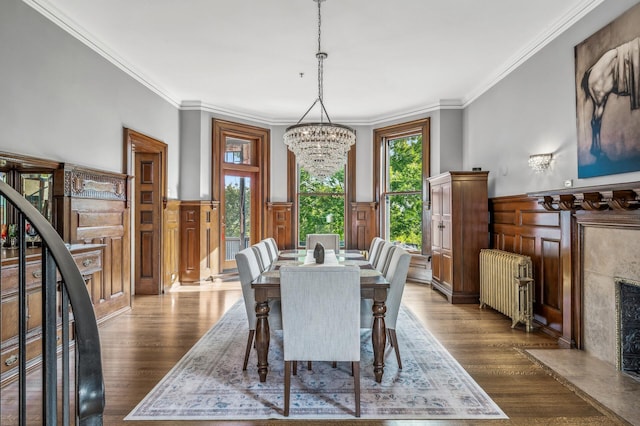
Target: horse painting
617	71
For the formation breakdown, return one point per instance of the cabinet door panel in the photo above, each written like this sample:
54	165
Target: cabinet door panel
34	315
436	262
447	269
9	318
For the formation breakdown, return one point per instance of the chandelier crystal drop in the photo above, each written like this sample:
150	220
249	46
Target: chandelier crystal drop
320	148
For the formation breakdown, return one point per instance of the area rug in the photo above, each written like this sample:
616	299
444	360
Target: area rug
208	382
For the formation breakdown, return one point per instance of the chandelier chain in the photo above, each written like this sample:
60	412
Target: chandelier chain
320	148
320	55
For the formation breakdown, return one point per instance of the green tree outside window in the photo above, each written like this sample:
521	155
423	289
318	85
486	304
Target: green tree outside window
320	205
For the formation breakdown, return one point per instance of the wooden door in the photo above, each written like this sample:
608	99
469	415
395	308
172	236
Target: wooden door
148	223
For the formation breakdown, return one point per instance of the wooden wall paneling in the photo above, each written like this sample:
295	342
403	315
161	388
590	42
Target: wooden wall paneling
171	242
198	241
280	225
519	224
92	208
189	242
363	225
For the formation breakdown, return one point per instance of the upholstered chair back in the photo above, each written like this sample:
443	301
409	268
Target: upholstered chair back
264	258
329	241
273	248
249	270
320	313
382	263
374	250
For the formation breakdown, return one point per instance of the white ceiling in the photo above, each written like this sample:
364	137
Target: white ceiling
387	58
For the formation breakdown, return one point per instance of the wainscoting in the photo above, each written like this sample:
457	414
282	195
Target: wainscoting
519	224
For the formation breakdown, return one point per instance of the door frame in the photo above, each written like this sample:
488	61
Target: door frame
137	142
221	129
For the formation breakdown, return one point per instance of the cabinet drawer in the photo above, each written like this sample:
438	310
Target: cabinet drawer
89	262
33	277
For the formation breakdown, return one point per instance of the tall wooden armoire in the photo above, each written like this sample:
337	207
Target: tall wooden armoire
459	229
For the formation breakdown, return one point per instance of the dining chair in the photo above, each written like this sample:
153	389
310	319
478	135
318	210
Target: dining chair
397	276
374	250
264	259
382	263
329	241
249	270
320	319
273	248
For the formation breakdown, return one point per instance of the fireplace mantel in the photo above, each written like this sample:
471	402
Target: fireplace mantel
588	210
622	196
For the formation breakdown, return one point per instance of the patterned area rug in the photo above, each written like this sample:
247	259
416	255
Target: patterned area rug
208	382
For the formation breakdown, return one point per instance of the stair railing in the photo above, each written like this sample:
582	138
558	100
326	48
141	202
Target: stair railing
60	273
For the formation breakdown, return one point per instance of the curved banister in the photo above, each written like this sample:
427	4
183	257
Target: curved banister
90	398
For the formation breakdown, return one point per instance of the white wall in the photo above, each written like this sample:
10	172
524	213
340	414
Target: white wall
62	101
532	111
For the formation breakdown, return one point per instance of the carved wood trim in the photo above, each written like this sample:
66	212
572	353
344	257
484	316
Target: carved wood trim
623	196
79	182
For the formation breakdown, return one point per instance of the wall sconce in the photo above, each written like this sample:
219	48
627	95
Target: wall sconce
540	162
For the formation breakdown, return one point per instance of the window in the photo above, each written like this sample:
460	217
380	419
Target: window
403	191
321	205
402	164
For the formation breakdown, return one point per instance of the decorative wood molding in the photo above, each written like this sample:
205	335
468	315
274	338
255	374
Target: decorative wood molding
279	224
623	196
80	182
363	224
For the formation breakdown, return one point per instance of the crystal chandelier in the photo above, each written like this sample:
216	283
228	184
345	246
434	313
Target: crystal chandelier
321	148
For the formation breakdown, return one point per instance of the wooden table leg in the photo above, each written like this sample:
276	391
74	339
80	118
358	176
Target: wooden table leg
379	333
262	337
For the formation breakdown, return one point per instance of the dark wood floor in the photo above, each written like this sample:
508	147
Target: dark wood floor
141	346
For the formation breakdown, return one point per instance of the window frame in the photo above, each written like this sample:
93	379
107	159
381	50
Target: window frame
349	194
380	172
299	194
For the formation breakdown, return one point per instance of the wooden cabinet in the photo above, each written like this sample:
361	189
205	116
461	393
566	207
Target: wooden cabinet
88	257
459	229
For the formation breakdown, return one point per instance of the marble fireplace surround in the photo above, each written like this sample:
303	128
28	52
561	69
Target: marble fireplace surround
608	253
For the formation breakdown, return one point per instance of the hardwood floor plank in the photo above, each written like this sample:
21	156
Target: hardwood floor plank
141	346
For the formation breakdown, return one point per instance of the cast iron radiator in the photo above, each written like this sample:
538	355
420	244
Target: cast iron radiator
506	285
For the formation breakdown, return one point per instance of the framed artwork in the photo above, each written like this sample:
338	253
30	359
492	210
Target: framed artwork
607	67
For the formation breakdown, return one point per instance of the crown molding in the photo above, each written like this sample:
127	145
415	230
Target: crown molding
546	37
56	16
67	24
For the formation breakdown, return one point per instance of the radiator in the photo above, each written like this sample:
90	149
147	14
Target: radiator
506	285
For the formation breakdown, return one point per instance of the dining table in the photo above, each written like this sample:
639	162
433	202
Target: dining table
373	285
